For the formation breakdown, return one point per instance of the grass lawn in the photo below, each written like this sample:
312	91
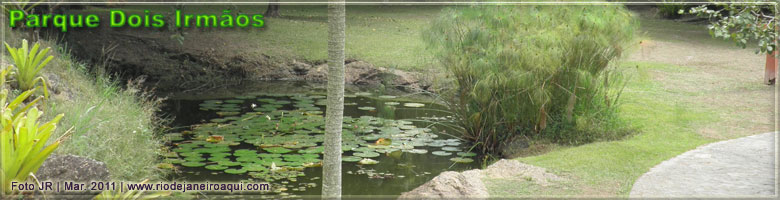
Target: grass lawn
687	90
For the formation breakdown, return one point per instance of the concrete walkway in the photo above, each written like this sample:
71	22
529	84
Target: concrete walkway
742	167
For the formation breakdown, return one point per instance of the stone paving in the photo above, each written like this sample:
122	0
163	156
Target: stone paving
742	167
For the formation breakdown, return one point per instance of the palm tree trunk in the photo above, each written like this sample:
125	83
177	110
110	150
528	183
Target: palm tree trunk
331	168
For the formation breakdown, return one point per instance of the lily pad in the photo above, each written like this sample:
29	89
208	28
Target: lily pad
278	150
368	161
462	160
235	171
392	103
366	108
367	154
450	149
387	97
216	167
414	105
441	153
228	163
350	159
466	154
193	164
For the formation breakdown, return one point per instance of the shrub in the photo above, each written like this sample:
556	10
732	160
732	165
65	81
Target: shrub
22	138
521	69
28	63
671	9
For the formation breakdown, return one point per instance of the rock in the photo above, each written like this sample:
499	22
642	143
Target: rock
358	72
57	87
59	168
450	185
469	185
300	68
513	169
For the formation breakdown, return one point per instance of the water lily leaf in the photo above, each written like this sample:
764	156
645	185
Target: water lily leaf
234	101
466	154
279	150
215	138
441	153
217	159
414	105
216	167
384	141
368	161
366	108
218	120
228	163
436	144
462	160
450	149
235	171
228	113
194	159
387	97
193	164
247	159
254	167
363	94
281	102
269	155
366	154
417	151
392	103
220	154
243	152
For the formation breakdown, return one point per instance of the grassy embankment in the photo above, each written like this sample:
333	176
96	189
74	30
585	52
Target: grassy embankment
113	124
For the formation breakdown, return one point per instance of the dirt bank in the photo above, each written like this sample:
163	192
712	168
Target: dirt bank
209	58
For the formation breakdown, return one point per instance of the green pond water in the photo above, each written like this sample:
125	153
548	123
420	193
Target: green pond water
390	145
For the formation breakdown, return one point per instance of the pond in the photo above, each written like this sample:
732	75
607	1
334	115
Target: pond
391	145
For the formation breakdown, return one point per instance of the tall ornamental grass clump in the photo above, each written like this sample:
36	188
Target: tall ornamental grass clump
534	71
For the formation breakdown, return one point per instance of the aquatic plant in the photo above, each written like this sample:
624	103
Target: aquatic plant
28	63
522	70
22	137
289	138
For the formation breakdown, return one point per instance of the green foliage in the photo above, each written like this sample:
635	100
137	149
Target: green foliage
670	9
22	138
521	69
743	23
28	63
25	6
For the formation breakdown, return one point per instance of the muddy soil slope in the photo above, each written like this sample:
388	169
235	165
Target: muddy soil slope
209	59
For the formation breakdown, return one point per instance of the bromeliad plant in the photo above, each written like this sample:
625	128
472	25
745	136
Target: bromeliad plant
22	138
28	63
